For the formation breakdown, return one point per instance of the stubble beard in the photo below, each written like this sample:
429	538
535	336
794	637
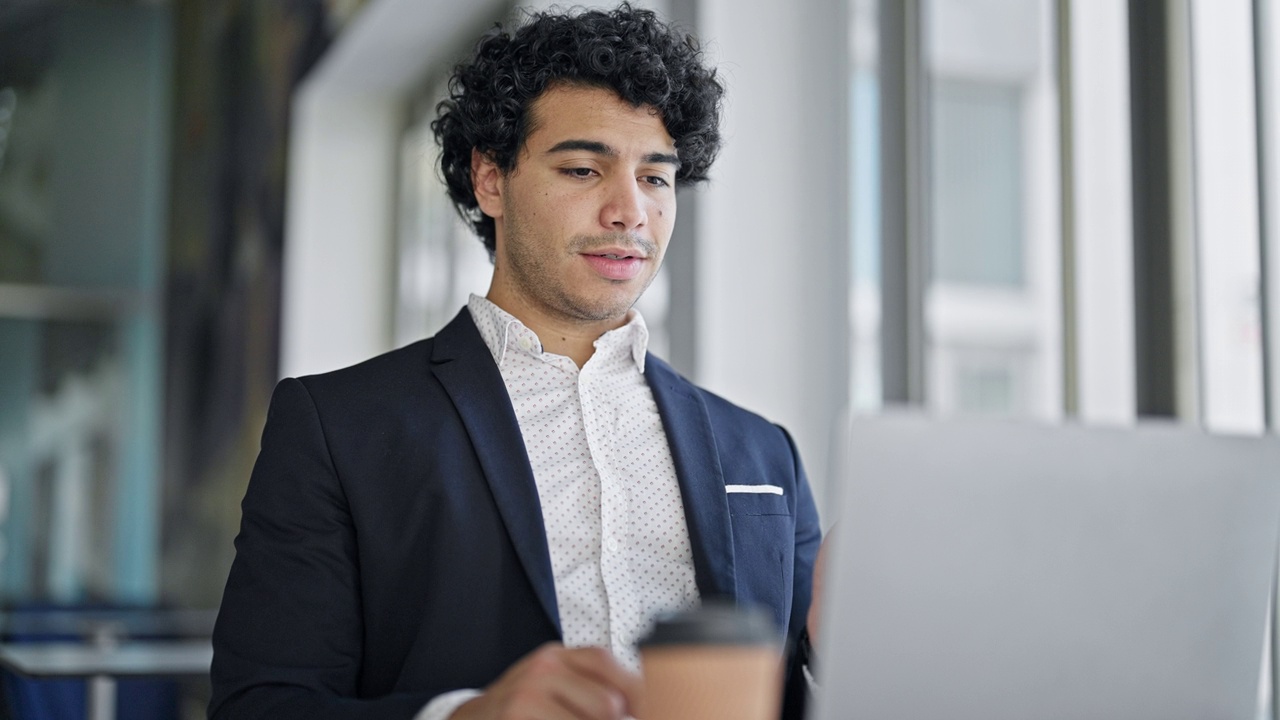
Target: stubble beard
533	275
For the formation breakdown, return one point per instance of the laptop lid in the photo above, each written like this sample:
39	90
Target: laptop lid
996	569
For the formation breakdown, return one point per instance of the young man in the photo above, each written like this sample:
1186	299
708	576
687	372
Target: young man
482	524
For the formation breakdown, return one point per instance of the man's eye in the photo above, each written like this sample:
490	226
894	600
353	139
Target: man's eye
578	172
656	181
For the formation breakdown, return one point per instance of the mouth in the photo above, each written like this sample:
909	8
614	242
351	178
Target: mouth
615	263
617	254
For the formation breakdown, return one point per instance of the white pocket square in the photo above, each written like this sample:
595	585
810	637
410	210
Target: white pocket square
757	489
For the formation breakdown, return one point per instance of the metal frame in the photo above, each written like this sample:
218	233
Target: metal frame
1265	107
1164	230
904	200
1067	199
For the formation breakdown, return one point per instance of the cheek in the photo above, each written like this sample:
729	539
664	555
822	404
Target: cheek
560	210
667	216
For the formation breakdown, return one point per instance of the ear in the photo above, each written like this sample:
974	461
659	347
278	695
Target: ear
486	180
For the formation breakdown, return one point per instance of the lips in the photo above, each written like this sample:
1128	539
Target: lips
615	263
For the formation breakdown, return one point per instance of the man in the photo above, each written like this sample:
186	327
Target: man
482	524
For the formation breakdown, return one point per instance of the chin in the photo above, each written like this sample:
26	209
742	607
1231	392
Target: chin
602	309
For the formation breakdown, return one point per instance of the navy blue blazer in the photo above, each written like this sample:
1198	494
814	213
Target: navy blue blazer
392	546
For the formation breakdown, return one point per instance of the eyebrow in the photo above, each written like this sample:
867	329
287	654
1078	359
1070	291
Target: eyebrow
598	148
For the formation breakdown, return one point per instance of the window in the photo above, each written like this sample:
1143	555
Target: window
83	102
977	192
1017	221
440	261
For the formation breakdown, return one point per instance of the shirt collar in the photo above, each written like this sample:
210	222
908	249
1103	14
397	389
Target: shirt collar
501	331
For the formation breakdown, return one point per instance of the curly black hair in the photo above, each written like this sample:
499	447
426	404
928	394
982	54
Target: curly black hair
628	50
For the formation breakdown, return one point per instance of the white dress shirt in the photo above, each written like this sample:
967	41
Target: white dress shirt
610	499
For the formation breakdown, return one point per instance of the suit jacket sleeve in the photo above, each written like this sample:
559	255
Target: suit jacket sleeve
288	640
808	538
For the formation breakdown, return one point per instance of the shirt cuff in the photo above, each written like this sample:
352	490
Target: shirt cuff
442	706
804	650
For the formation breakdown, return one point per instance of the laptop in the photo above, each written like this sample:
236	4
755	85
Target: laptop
998	569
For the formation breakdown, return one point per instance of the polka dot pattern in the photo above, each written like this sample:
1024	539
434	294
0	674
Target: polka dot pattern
610	499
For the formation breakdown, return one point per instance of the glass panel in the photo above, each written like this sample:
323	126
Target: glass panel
978	179
441	262
864	290
83	121
26	152
992	304
63	439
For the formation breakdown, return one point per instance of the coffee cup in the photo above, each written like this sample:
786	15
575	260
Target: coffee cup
718	662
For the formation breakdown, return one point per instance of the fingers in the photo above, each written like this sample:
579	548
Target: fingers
558	683
600	664
588	699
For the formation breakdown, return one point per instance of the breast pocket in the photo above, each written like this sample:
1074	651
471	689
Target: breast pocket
763	548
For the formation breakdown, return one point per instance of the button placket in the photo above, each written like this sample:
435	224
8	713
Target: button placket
614	570
601	460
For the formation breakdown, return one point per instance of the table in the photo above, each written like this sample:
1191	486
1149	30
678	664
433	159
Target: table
103	664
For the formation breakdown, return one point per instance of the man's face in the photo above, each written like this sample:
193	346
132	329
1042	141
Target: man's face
583	220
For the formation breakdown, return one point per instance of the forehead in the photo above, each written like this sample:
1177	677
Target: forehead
575	112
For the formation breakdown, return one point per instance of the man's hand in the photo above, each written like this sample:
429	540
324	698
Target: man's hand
558	683
815	605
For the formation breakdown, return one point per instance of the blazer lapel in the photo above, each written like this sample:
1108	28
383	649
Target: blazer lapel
465	367
697	461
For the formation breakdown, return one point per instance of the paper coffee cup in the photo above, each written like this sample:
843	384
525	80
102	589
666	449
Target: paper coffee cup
719	662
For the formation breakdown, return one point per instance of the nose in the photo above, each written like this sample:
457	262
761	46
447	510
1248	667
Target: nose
624	205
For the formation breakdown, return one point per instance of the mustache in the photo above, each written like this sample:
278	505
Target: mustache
589	243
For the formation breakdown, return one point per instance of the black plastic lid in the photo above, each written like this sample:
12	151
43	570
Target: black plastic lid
715	623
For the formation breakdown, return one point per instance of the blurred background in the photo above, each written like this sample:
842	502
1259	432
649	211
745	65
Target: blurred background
1052	209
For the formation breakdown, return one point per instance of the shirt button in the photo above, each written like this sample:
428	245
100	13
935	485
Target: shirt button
611	545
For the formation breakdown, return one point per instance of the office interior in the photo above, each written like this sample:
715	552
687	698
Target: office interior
1055	210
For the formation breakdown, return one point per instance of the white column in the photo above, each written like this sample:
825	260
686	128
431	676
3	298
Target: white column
339	246
1226	195
1103	204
